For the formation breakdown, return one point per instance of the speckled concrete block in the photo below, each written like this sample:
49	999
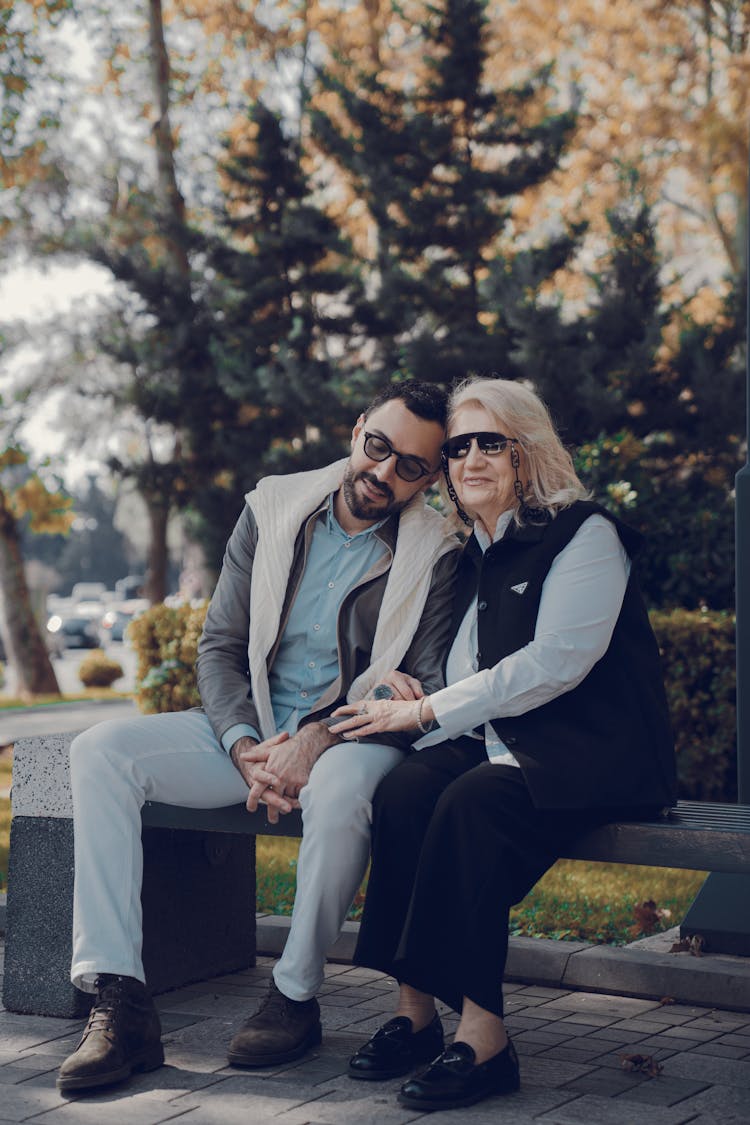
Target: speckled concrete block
198	894
41	776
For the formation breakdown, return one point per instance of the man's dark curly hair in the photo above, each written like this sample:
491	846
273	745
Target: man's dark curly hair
426	400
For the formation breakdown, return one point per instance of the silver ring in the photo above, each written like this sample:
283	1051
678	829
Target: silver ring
363	710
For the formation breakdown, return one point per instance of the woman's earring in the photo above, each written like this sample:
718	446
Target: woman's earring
452	492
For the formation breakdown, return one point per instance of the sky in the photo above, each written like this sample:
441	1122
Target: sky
36	296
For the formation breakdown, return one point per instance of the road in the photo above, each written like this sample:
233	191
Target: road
58	718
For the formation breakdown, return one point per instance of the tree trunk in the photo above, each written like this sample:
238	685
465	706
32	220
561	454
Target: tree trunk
24	645
158	555
171	203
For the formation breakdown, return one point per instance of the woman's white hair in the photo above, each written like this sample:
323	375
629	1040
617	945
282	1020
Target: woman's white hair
552	482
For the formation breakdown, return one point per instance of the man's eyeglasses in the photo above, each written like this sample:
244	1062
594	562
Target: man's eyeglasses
489	443
380	449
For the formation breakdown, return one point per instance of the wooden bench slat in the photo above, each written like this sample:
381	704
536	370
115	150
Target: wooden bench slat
694	835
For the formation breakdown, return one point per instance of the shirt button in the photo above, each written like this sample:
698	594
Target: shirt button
511	740
348	543
482	606
303	694
316	627
311	664
331	585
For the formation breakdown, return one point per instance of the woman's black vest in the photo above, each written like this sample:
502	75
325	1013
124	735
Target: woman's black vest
608	742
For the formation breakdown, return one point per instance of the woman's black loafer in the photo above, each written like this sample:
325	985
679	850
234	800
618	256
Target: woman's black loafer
395	1050
455	1080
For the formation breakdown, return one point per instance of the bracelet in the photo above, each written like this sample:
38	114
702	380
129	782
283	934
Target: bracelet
420	725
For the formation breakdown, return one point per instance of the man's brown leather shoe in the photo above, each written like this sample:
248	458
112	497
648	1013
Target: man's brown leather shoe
123	1034
280	1031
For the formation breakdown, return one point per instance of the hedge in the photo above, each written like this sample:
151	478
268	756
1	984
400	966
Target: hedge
698	656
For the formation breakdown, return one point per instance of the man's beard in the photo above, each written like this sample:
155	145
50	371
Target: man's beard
361	507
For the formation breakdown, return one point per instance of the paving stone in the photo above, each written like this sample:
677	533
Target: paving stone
721	1050
617	1035
545	993
10	1075
708	1068
664	1090
262	1099
692	1035
208	1004
38	1061
344	999
125	1106
663	1040
605	1082
619	1007
574	1050
735	1040
590	1109
735	1021
575	1025
543	1035
719	1106
525	1049
518	1023
667	1015
644	1026
20	1102
550	1073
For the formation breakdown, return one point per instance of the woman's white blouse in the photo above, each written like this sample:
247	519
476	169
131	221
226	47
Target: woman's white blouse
580	603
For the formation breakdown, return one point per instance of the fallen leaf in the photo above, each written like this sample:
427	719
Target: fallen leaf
641	1064
694	944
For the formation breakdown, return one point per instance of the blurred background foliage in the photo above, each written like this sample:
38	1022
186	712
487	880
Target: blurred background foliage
293	202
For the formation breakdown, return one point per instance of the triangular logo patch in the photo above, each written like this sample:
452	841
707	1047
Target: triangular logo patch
520	588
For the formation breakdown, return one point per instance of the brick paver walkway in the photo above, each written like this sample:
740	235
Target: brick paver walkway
570	1045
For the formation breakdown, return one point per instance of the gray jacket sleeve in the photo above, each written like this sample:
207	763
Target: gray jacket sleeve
223	668
425	658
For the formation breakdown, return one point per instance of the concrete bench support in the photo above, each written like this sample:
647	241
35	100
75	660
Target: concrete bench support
198	894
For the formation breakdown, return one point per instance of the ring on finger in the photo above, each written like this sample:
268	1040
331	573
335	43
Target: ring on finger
363	710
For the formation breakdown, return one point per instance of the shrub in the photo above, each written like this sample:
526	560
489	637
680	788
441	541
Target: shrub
165	639
698	658
97	670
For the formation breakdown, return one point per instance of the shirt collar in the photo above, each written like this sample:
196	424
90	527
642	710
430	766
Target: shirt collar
483	538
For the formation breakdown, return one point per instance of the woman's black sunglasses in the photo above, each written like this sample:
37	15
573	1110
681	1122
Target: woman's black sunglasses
489	443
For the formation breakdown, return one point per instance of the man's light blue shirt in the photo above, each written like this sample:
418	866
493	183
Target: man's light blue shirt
306	662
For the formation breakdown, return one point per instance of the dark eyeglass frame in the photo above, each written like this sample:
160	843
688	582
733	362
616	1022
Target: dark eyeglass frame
458	447
402	459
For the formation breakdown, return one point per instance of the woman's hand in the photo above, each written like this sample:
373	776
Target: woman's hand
374	716
402	686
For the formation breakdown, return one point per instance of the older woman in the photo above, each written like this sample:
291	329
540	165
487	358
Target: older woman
553	720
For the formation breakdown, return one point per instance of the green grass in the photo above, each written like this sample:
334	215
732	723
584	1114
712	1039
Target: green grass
575	901
8	703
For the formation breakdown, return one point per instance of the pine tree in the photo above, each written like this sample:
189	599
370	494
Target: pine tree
281	298
439	166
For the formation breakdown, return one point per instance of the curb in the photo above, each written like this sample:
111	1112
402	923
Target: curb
645	970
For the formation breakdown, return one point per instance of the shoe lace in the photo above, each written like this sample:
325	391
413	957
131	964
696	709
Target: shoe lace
275	1002
103	1013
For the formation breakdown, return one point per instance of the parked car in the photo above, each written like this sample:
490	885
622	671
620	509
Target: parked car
116	620
72	632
